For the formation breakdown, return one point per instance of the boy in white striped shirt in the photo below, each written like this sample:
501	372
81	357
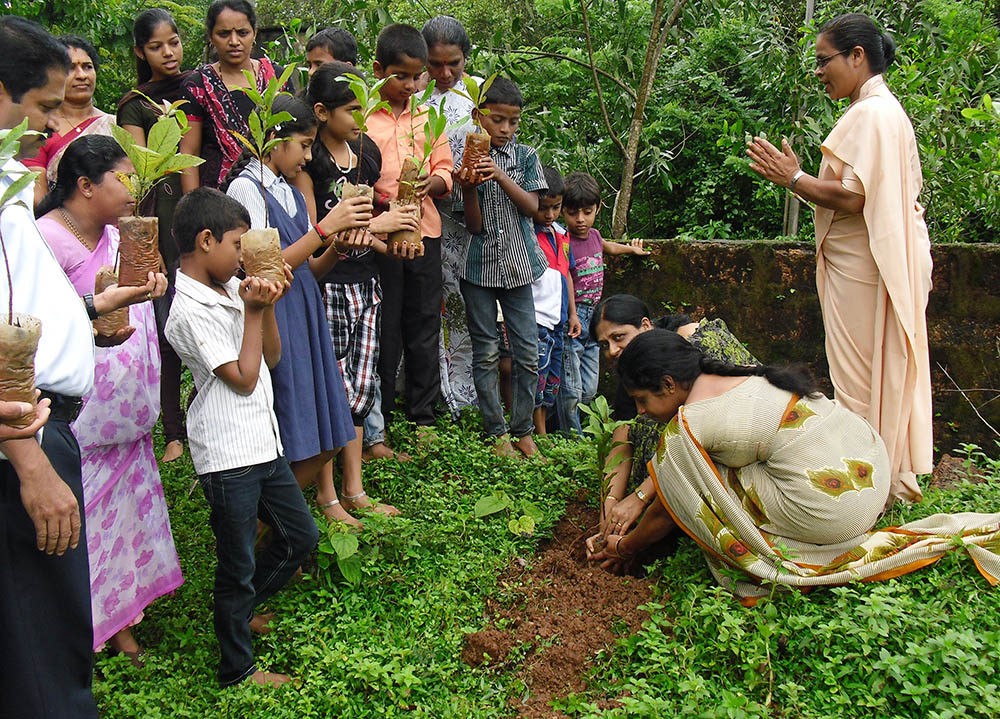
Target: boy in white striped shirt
222	329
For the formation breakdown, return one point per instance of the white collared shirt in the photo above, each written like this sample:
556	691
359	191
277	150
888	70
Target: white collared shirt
247	193
225	429
64	362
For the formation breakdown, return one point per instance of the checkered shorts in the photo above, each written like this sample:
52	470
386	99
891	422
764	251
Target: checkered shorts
353	314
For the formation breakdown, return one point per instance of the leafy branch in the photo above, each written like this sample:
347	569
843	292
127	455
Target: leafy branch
10	146
602	426
476	94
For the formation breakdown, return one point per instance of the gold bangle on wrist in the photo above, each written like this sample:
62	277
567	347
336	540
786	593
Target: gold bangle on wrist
641	495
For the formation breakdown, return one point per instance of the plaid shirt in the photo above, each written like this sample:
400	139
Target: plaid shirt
506	254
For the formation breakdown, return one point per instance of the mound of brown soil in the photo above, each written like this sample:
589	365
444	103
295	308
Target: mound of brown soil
555	615
950	472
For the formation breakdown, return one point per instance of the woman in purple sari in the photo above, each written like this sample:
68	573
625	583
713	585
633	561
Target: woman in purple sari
132	556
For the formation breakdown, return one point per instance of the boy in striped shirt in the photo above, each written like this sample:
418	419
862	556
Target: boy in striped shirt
501	261
225	332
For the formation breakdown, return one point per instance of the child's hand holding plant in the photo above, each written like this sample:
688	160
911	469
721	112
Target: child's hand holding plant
259	294
398	218
347	214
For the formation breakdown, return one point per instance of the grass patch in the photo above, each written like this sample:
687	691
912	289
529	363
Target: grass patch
389	646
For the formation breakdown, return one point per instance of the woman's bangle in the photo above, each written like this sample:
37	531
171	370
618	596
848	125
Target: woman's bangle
611	496
618	545
795	178
322	236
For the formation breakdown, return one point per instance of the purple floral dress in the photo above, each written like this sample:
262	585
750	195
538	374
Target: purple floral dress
132	556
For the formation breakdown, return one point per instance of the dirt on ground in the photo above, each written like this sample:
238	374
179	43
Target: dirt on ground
553	616
951	471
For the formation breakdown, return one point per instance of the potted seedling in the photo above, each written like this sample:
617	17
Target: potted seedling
601	426
261	249
139	246
414	169
371	102
477	144
19	332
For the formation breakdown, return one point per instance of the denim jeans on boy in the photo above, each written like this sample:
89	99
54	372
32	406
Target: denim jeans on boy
581	371
238	497
374	432
518	306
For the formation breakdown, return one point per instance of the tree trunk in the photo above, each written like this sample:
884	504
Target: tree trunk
792	205
654	49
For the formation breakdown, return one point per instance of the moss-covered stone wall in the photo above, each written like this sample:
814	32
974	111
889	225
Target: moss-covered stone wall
766	292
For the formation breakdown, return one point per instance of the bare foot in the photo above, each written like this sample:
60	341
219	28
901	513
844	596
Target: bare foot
363	501
335	511
124	643
269	679
526	446
504	448
384	451
426	435
173	451
261	623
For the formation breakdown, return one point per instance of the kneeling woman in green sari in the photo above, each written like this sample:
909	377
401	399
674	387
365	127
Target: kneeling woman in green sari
772	479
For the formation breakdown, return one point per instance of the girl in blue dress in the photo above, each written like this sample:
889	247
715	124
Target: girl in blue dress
314	418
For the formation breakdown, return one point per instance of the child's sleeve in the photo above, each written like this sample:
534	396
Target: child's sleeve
202	338
531	170
248	194
441	162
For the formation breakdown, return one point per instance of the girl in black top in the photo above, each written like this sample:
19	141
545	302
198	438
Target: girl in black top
341	154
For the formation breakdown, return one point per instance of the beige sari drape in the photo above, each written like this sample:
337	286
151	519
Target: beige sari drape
779	489
873	272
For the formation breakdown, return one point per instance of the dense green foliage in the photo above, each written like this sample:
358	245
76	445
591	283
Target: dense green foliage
731	67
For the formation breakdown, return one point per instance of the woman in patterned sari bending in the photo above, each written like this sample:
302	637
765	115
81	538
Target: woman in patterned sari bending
772	479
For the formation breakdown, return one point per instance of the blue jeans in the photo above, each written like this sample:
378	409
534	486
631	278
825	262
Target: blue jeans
374	432
581	371
518	307
238	497
550	351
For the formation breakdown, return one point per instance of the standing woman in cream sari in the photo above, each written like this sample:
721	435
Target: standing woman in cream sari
873	263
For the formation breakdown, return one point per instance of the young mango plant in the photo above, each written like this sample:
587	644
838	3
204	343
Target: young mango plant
371	101
139	248
477	144
261	249
19	333
601	427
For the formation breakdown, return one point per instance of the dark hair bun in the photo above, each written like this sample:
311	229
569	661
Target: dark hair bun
888	48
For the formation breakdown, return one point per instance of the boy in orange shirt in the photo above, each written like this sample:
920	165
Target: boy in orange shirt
400	55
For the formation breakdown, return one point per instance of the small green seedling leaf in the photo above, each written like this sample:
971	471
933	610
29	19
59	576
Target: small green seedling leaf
491	504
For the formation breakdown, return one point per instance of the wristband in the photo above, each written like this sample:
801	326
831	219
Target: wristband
324	237
641	495
795	178
88	302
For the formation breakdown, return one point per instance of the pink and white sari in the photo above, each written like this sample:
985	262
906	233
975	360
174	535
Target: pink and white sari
132	556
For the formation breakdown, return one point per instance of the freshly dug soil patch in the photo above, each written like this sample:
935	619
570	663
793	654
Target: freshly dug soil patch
557	614
950	472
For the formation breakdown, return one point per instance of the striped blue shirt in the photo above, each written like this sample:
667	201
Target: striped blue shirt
506	254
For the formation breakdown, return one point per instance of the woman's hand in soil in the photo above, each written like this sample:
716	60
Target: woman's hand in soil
612	556
400	218
347	214
118	337
778	166
623	515
13	411
114	297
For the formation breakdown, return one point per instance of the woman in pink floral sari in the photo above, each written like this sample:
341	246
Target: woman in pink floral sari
131	549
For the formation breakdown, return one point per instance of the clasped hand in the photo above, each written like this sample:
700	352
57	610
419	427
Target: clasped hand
258	293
